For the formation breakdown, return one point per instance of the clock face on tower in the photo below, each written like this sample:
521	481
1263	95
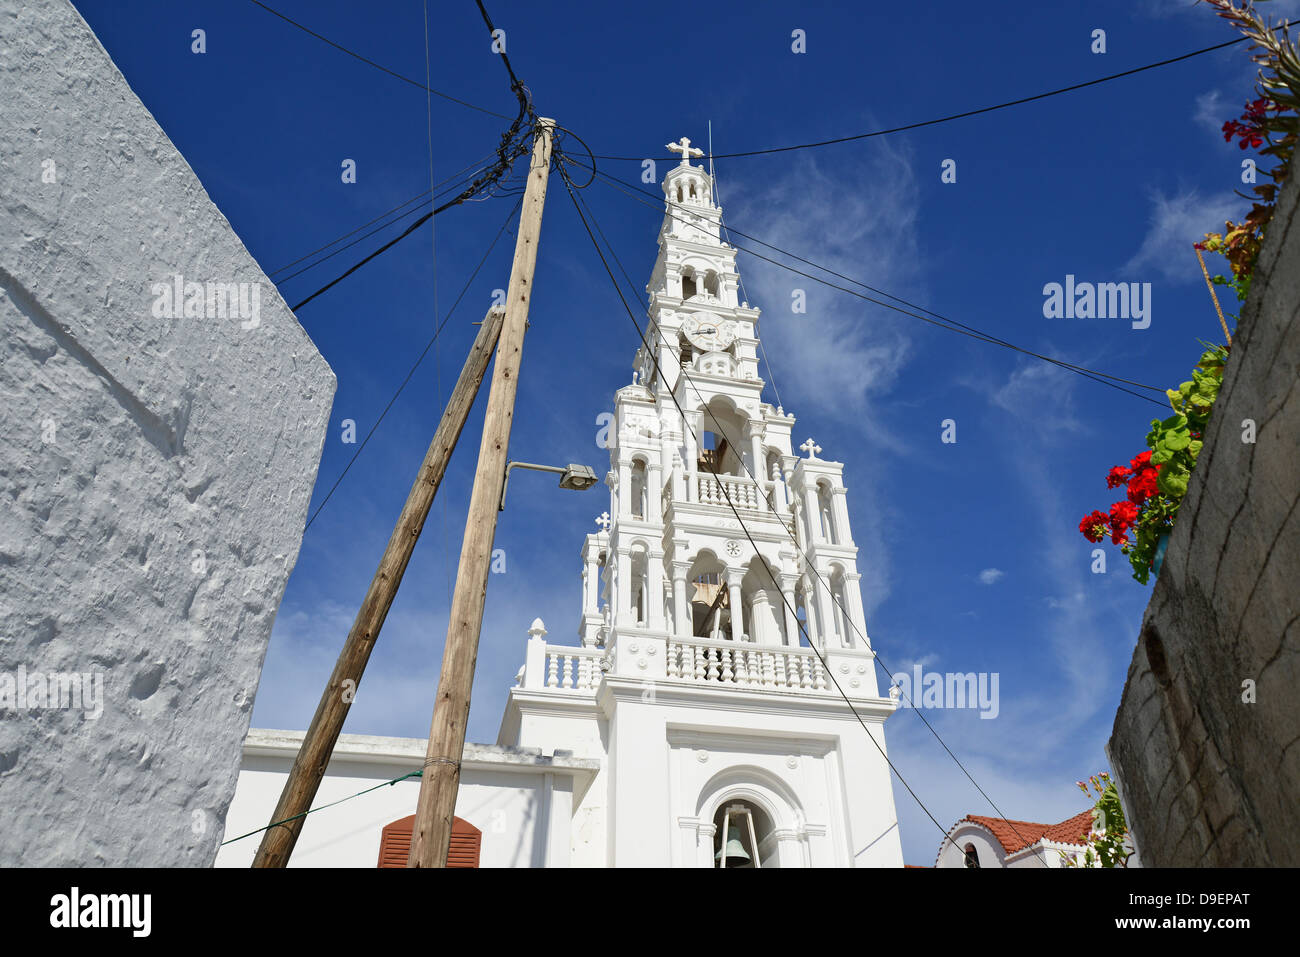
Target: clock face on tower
709	332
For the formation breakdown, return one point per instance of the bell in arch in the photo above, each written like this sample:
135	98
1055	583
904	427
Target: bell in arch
733	852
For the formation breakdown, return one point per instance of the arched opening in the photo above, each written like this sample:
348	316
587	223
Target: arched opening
711	283
679	194
743	836
688	284
972	858
708	597
840	608
825	511
693	190
723	440
638	490
640	571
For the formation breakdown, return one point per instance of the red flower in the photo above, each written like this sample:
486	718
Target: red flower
1141	462
1143	485
1118	476
1094	526
1123	516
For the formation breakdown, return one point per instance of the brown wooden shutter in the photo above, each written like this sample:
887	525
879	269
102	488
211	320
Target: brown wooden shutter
395	843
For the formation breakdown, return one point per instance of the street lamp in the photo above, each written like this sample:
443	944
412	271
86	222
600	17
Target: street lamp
577	477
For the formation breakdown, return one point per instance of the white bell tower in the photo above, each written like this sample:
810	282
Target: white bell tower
722	554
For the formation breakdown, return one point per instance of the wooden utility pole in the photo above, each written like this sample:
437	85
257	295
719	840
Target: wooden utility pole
314	755
431	836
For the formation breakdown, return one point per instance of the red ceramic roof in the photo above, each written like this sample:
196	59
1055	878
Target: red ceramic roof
1017	835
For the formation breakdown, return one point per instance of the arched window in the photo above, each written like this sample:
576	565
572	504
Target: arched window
826	511
679	194
639	490
395	843
692	190
743	836
688	285
972	857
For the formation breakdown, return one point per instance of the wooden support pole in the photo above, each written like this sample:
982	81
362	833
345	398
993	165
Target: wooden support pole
314	755
431	836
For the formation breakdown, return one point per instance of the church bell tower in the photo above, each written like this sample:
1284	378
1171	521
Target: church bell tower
722	624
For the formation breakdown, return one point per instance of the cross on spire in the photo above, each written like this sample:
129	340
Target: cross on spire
686	149
603	521
812	448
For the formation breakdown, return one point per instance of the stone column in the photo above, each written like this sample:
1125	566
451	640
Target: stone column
813	514
654	477
840	509
655	590
788	605
691	463
778	488
623	587
734	575
682	624
624	487
853	598
826	605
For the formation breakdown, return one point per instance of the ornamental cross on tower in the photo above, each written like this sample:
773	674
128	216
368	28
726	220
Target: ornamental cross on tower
603	521
812	448
686	149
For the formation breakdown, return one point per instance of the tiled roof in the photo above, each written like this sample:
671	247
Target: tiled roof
1017	835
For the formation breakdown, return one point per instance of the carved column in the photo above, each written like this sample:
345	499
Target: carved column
734	575
682	624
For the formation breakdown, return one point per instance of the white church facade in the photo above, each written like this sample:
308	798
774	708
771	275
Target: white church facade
721	707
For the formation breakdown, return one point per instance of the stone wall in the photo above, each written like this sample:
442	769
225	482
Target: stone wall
155	468
1206	743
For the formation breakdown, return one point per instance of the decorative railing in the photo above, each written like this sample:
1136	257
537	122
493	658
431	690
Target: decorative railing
742	492
745	664
573	668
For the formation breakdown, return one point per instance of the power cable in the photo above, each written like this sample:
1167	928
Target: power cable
377	66
450	312
958	116
933	318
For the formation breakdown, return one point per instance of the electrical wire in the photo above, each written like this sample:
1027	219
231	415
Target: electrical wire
450	312
377	66
933	318
967	113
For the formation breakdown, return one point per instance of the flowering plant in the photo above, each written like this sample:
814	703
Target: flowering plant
1156	480
1107	842
1271	121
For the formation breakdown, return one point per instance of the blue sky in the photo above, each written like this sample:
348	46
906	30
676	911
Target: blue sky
970	553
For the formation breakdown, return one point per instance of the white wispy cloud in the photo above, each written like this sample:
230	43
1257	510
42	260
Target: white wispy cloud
1177	221
1212	110
860	221
990	576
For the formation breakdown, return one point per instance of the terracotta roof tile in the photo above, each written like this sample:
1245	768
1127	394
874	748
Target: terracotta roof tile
1017	835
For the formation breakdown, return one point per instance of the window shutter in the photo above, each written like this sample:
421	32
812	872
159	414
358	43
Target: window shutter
395	843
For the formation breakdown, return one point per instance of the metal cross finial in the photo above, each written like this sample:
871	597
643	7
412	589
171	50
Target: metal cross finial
812	448
686	149
603	521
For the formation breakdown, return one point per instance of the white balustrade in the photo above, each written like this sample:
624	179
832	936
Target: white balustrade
575	669
740	491
744	664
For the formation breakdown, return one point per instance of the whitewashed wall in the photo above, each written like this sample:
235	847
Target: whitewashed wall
156	467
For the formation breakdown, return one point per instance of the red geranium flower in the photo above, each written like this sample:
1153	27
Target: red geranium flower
1118	476
1143	485
1094	526
1123	516
1141	462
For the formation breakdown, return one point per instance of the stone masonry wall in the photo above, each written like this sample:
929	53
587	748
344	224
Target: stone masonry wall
155	468
1208	778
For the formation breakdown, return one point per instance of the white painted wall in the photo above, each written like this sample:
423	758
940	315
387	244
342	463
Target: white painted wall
157	468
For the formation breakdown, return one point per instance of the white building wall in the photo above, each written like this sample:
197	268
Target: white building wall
157	466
